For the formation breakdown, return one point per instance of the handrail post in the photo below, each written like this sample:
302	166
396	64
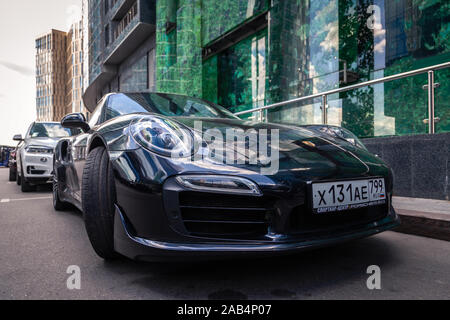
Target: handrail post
324	108
431	124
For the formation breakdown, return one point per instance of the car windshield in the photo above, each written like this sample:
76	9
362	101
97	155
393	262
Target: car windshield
50	130
165	104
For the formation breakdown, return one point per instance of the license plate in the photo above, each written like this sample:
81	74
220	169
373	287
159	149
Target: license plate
346	195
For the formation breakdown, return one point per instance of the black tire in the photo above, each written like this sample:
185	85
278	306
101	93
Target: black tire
25	186
58	205
98	198
12	174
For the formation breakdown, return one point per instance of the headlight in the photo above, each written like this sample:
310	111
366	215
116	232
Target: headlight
38	149
163	136
222	184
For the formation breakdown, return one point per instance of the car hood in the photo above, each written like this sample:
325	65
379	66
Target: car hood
44	142
302	152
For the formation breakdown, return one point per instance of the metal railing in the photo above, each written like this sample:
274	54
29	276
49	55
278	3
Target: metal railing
324	95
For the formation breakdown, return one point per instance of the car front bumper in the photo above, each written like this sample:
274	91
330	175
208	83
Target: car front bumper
157	218
152	250
38	168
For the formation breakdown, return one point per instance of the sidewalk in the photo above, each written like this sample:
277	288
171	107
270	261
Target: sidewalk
423	217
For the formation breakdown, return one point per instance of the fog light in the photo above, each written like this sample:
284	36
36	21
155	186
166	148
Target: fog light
220	184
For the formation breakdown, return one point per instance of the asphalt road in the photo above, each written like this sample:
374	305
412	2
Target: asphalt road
38	244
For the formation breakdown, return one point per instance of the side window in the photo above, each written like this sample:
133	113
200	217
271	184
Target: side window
120	104
29	130
97	114
111	109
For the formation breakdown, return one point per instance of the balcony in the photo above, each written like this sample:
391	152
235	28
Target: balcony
119	9
137	23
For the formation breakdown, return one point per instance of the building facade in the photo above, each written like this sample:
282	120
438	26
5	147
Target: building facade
248	53
74	69
51	76
121	47
85	22
59	73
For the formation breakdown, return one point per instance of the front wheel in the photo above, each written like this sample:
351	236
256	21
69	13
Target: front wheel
98	198
25	186
12	174
58	205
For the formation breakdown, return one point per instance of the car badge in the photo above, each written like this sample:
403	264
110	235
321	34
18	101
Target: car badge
309	144
43	159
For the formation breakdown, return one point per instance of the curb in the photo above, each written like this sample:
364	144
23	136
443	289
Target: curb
425	224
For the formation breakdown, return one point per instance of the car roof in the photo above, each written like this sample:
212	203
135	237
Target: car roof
148	91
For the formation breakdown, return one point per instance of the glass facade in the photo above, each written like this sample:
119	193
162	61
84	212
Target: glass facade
243	73
219	17
51	76
74	69
95	38
135	78
308	47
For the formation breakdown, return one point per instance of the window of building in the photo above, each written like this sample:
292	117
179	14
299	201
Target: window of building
242	70
151	69
107	35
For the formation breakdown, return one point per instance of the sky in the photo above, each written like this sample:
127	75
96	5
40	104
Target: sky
21	22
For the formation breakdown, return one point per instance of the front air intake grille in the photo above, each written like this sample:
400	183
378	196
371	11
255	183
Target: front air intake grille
32	170
223	215
304	220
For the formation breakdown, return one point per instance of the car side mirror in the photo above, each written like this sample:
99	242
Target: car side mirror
18	137
75	121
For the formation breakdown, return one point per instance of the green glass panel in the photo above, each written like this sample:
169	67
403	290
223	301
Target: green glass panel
210	79
442	100
178	52
219	17
311	47
242	69
299	113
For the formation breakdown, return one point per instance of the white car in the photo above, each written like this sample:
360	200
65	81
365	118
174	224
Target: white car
35	153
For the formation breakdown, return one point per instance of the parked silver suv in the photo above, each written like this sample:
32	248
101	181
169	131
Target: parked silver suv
35	153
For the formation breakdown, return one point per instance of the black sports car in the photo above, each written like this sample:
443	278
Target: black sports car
158	176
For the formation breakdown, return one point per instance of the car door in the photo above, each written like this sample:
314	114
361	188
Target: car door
74	170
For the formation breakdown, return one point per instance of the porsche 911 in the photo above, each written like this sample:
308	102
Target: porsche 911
165	176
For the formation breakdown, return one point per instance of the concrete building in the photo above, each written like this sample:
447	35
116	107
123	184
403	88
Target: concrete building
51	76
121	47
